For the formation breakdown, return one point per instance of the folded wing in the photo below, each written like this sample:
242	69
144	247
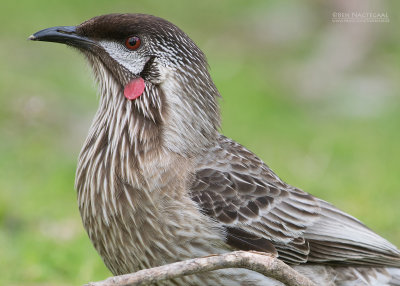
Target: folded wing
260	212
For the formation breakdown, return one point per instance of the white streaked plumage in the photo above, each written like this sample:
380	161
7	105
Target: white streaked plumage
157	183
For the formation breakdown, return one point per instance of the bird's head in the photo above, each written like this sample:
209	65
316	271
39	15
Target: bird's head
149	69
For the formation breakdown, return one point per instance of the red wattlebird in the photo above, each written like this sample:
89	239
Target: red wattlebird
157	183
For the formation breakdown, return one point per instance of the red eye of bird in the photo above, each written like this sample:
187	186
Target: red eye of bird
132	43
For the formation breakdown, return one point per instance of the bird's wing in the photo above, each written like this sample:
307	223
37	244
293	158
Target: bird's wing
260	212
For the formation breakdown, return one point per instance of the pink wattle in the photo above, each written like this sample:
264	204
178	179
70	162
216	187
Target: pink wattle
134	88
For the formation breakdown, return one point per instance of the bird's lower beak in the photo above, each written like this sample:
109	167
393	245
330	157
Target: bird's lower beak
63	34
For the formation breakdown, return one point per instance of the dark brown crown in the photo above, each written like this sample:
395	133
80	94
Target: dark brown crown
119	26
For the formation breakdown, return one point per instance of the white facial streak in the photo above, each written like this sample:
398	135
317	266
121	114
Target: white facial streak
130	60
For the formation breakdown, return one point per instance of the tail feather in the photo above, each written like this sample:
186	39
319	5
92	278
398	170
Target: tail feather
395	273
350	276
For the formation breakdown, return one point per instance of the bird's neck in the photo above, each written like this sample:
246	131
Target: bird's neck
169	122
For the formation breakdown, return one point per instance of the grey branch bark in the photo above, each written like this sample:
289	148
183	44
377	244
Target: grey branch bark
263	263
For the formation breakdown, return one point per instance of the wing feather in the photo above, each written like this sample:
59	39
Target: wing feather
260	212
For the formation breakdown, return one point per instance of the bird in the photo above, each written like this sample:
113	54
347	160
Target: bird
158	183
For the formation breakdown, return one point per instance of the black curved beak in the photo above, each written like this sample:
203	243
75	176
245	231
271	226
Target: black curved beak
62	34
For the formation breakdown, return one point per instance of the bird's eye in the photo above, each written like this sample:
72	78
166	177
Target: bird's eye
132	43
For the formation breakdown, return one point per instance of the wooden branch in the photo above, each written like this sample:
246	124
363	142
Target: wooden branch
263	263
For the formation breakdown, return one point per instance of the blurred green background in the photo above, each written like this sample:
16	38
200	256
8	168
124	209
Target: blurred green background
318	101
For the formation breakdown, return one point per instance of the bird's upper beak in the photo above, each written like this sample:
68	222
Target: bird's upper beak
62	34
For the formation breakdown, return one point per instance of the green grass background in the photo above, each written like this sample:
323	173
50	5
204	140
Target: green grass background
339	141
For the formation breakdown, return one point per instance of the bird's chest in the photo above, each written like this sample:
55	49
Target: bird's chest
118	210
140	217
